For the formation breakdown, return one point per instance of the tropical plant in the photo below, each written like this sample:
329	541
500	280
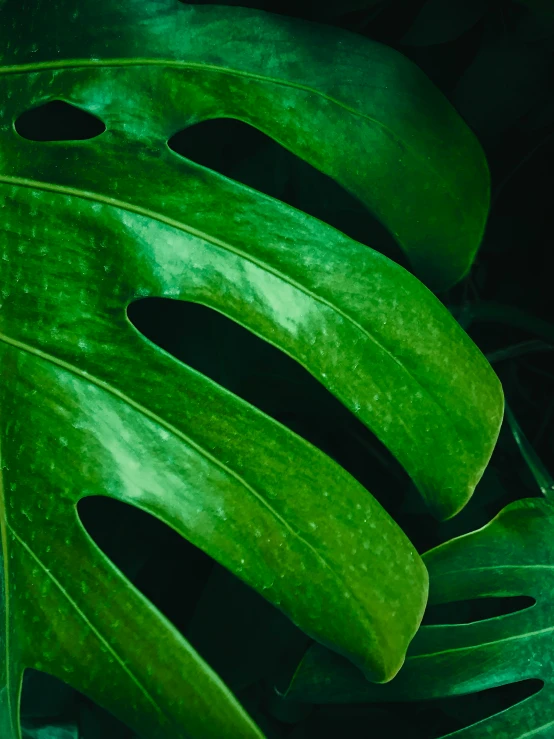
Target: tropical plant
101	222
509	557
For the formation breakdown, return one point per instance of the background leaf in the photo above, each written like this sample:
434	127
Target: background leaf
512	555
537	468
507	77
440	21
53	731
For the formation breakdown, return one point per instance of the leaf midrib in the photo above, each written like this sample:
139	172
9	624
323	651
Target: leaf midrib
139	210
205	453
148	61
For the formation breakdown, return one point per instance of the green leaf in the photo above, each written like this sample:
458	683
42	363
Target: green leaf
513	555
89	226
441	21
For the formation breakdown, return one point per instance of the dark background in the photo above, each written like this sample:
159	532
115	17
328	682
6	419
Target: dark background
494	61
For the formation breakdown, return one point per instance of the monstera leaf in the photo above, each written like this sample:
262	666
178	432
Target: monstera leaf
88	406
513	555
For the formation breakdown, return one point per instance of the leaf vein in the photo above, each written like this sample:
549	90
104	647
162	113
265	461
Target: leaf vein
89	623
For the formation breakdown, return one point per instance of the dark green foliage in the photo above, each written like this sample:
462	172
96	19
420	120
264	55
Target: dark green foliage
493	60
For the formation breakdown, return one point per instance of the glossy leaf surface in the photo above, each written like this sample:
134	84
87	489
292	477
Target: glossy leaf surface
513	555
87	227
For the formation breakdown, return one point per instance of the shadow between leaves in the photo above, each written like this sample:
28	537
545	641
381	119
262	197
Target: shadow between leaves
273	382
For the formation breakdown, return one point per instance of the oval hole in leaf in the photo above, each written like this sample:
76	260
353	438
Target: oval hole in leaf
192	591
245	154
51	709
167	569
477	609
44	696
58	121
270	380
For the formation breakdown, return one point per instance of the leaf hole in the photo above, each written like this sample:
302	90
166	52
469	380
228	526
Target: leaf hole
167	569
267	378
255	641
52	708
58	121
249	156
192	591
477	609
